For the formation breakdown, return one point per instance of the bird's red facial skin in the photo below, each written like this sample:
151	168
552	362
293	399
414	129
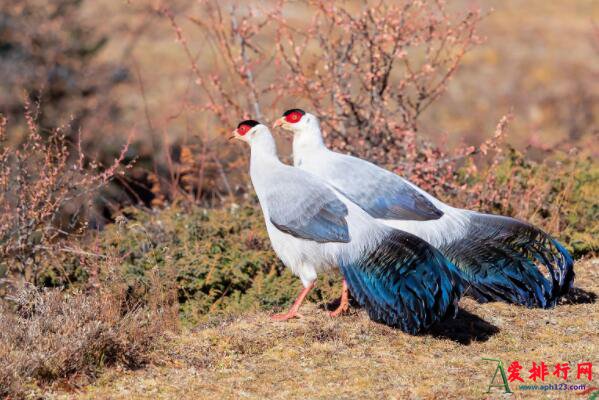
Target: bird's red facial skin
243	129
293	117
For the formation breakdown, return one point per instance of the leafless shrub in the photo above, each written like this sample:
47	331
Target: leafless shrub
377	68
368	72
40	180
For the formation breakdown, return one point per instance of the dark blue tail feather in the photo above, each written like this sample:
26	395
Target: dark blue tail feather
504	259
404	283
566	264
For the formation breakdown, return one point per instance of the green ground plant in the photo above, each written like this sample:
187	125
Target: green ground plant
221	260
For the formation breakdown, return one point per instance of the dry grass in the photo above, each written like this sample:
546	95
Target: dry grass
352	357
64	339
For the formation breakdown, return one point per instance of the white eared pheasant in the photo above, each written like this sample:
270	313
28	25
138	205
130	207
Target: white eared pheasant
501	258
401	280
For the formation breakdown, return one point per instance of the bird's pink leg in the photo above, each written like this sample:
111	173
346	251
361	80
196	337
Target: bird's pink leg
293	311
344	304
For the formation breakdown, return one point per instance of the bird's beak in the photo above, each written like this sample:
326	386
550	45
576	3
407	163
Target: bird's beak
279	122
235	135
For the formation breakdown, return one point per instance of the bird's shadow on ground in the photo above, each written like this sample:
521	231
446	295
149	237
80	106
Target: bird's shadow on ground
468	327
465	328
578	296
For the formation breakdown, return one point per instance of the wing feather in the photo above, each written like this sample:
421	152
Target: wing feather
380	193
302	206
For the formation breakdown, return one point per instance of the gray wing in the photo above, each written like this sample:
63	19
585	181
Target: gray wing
302	206
380	193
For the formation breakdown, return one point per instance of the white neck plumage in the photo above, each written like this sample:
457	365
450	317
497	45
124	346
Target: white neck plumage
263	144
263	152
307	140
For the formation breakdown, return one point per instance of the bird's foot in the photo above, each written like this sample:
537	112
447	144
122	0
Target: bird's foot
344	302
284	317
292	313
343	307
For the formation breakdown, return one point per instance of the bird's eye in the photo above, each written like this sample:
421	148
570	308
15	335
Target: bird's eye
243	129
293	117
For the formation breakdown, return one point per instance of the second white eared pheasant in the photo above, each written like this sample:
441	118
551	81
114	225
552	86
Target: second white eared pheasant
501	258
400	279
